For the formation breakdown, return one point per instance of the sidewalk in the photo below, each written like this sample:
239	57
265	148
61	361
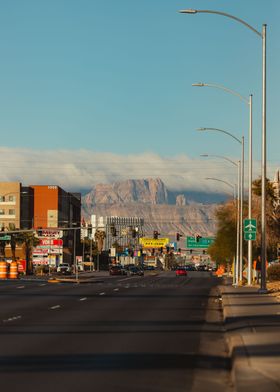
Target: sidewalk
252	322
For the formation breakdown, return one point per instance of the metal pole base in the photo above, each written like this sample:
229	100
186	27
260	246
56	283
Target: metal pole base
263	291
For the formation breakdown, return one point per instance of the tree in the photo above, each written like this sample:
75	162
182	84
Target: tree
224	247
272	217
29	241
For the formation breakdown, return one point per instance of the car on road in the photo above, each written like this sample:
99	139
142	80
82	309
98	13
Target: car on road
117	270
135	271
64	269
181	271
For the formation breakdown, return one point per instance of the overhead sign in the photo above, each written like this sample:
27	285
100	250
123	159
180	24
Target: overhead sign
201	243
153	243
250	225
5	238
250	236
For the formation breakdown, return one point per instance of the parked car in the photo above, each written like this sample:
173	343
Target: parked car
181	271
64	269
117	270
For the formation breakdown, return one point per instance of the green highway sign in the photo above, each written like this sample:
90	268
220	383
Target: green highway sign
250	236
202	243
5	238
250	225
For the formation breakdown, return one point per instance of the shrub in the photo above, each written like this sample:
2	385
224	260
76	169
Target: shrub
273	272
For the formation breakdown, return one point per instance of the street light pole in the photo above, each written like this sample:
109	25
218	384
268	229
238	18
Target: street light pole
249	102
237	201
240	141
262	35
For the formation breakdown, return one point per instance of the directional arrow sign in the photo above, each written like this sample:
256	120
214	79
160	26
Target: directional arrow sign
250	225
250	236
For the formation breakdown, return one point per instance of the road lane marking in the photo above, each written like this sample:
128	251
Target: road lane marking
12	319
20	287
55	307
42	284
102	293
116	289
83	299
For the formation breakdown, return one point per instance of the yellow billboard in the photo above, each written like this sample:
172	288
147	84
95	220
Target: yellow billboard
152	243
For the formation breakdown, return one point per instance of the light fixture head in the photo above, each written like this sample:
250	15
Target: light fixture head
188	11
199	84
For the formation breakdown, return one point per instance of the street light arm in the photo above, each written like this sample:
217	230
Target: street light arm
220	130
217	179
190	11
220	156
221	87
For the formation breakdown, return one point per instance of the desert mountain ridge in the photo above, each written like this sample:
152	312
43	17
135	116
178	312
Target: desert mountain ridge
163	210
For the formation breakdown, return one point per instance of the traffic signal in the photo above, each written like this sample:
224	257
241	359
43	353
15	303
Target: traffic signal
190	251
204	251
134	233
156	233
197	237
179	250
178	236
113	231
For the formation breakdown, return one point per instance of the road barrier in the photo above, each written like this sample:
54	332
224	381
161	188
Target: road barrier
13	274
3	270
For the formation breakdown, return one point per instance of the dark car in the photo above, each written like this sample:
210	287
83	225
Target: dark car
117	270
135	271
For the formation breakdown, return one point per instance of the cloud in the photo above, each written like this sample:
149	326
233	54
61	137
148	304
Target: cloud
82	169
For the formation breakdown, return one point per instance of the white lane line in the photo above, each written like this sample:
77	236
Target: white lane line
123	280
20	287
116	289
83	299
102	293
42	284
55	307
12	319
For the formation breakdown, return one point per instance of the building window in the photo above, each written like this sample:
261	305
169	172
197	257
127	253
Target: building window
2	212
2	198
12	212
12	198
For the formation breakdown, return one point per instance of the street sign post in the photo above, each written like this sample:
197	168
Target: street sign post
250	225
250	236
5	238
202	243
250	229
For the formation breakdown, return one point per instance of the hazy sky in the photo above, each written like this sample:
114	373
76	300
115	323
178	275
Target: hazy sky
84	77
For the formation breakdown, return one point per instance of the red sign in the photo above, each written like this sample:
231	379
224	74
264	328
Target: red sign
50	242
21	265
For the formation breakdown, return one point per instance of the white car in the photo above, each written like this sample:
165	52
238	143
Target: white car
64	268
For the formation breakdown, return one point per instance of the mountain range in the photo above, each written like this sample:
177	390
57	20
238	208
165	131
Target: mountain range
163	210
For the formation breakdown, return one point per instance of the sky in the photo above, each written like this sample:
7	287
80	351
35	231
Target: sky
101	90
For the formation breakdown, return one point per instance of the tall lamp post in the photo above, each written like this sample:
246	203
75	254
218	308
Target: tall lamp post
262	35
237	200
240	141
249	102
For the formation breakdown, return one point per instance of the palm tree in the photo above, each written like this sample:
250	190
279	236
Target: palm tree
29	241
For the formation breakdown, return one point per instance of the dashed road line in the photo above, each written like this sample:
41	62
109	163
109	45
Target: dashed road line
83	299
12	319
42	284
102	293
116	289
55	307
20	287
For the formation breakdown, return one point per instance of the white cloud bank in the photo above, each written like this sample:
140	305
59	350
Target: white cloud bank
82	169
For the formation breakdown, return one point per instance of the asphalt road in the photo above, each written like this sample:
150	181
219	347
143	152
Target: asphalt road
152	333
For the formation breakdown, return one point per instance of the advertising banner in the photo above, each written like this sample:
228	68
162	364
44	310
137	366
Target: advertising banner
152	243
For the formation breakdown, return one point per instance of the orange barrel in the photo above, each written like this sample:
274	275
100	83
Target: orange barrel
3	270
13	270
